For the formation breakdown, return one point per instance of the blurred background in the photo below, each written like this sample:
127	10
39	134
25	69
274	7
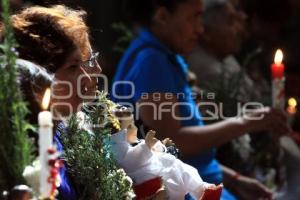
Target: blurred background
271	24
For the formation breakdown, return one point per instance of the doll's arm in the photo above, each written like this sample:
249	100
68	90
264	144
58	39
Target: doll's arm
153	143
127	155
150	139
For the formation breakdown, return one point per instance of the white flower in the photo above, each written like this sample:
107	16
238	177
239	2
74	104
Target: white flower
131	195
83	122
32	175
242	145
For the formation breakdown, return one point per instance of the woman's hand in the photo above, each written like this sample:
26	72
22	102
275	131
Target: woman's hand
250	189
243	187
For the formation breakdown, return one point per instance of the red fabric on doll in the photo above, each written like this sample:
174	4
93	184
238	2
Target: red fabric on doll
148	188
212	193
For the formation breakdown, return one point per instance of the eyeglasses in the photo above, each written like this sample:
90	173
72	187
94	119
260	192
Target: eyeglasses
92	62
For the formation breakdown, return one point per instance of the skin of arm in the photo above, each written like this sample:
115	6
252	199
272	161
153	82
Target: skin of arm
245	187
193	140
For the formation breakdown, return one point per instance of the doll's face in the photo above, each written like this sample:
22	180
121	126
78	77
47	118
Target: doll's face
131	133
125	121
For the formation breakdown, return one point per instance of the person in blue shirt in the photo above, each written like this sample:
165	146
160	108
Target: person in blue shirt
152	78
57	39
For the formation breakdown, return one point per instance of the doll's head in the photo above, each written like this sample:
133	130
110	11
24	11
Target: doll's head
132	133
126	120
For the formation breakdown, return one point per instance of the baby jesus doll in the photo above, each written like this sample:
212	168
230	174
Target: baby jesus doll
148	160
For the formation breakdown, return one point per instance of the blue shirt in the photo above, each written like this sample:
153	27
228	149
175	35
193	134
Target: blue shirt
65	191
151	67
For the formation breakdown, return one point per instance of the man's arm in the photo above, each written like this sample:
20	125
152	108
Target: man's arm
195	139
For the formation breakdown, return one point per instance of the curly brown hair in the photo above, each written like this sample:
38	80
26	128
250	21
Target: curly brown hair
47	36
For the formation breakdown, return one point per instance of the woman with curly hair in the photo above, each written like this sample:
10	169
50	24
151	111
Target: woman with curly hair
57	38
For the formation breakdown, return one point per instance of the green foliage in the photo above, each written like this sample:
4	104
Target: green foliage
126	35
88	154
15	146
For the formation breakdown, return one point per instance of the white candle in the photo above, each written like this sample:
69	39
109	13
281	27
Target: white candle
45	143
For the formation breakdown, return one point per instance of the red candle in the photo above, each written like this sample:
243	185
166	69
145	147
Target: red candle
278	79
277	66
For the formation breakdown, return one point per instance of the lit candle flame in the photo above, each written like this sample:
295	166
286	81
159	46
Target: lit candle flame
46	99
278	57
292	102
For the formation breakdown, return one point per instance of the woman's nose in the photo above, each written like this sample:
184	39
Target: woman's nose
85	74
92	71
98	68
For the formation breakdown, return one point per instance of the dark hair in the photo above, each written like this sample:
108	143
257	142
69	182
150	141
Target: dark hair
122	111
33	81
272	11
47	36
212	9
141	11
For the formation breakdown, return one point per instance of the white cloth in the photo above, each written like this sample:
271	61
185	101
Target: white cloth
142	164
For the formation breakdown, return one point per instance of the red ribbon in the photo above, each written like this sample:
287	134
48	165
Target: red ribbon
148	188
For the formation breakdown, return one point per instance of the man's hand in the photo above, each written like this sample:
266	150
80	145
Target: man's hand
269	119
150	139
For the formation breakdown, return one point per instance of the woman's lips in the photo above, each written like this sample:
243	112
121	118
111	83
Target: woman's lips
89	89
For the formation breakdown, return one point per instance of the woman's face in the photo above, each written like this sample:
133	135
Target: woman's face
226	32
75	83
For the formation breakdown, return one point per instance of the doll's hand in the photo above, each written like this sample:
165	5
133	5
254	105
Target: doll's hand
150	139
168	142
